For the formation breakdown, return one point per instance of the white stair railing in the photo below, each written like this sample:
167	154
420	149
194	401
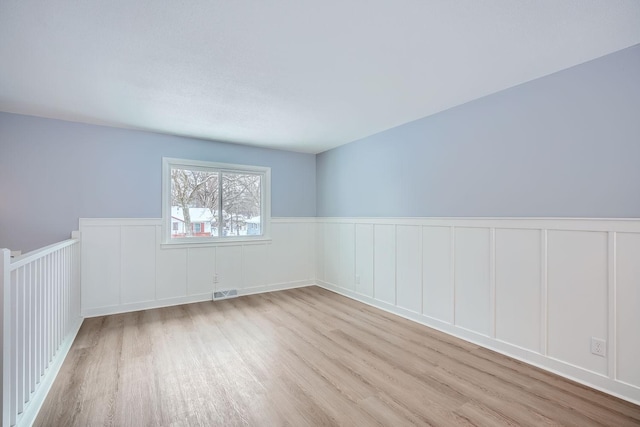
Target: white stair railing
40	318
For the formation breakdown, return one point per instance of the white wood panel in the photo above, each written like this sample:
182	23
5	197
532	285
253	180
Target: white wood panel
320	256
100	267
384	244
313	251
201	268
518	287
279	255
364	259
228	267
304	247
347	256
332	253
472	286
290	252
255	264
437	281
577	296
409	268
138	264
628	308
171	276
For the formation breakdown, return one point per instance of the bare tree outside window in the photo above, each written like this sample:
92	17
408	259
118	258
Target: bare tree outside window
240	200
186	185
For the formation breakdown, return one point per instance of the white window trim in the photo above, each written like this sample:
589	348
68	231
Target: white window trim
265	194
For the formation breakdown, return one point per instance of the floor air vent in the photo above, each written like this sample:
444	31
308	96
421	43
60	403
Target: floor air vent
225	294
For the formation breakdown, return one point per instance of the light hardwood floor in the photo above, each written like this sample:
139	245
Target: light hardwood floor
303	357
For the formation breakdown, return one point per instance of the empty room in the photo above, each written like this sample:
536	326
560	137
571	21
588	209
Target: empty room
293	213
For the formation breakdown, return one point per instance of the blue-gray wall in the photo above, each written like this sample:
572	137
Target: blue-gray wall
566	145
563	145
54	172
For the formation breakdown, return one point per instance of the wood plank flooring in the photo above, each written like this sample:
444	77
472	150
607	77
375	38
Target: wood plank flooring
303	357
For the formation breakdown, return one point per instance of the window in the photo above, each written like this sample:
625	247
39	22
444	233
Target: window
214	202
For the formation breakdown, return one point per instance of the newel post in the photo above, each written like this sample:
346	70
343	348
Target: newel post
5	313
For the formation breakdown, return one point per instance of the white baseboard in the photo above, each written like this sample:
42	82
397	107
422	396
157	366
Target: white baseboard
32	409
147	305
566	370
276	287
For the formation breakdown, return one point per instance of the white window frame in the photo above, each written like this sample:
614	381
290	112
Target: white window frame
265	202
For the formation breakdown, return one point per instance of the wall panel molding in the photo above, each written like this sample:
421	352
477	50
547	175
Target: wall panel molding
126	268
536	289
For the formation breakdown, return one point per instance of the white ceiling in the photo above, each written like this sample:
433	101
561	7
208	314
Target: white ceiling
292	74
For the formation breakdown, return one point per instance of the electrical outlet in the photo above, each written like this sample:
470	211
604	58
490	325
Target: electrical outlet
216	279
598	347
357	279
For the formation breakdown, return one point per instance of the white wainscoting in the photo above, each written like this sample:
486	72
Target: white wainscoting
125	268
535	289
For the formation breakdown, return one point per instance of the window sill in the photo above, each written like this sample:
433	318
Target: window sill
230	241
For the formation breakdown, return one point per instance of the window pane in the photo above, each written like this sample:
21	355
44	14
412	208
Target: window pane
241	204
194	203
210	201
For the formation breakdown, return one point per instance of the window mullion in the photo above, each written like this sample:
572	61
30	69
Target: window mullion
220	216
